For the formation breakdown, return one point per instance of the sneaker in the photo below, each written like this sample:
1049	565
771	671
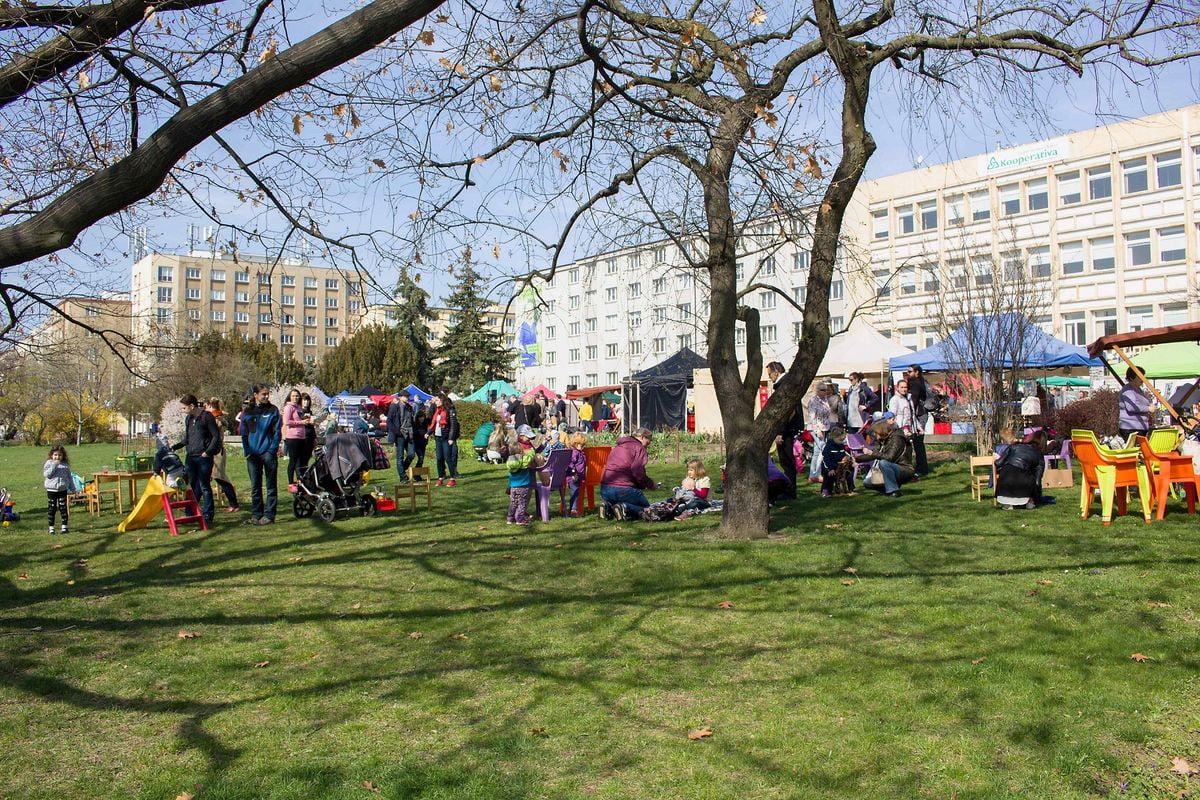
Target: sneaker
440	482
826	494
233	510
51	531
63	530
265	521
1006	507
252	521
452	482
894	494
606	512
402	481
619	511
292	488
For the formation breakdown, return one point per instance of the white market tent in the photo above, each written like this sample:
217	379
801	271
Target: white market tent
860	348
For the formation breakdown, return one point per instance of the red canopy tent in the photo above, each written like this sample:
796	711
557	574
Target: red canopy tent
539	389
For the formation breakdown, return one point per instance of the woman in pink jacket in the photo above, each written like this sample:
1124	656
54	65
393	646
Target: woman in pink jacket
295	433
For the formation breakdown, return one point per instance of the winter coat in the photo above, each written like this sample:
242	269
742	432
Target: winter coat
577	466
483	434
201	435
447	417
626	465
293	422
261	430
401	418
57	476
520	468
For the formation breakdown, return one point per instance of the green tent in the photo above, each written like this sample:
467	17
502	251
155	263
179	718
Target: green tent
1172	360
1064	380
490	390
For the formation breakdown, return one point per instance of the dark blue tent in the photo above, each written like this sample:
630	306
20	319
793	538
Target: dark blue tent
418	394
656	398
984	334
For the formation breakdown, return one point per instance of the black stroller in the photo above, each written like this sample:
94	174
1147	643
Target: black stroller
335	480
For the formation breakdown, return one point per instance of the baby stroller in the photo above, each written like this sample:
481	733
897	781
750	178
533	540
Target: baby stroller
335	480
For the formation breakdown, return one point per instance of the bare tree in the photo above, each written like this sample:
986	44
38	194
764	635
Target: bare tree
607	112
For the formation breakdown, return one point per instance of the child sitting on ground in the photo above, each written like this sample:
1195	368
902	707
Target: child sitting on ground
576	470
692	492
837	468
522	463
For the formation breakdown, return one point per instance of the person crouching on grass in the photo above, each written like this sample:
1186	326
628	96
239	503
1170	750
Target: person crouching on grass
522	463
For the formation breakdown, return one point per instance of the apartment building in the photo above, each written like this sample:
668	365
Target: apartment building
442	318
1104	221
73	342
307	308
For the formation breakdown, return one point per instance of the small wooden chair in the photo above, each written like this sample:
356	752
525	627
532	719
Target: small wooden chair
90	500
412	488
980	481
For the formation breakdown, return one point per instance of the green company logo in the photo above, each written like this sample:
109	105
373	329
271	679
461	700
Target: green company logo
1018	160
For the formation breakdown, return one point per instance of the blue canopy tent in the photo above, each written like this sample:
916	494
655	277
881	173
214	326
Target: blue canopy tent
344	406
988	333
417	394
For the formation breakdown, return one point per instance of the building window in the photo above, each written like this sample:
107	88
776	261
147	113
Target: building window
1174	314
684	280
660	345
837	325
930	276
550	332
1070	256
193	273
957	269
929	220
310	301
1172	244
800	260
1068	188
908	282
310	321
739	335
548	358
91	311
879	223
837	290
331	341
1137	249
218	275
1039	262
193	294
1140	317
287	319
264	318
264	279
1099	183
685	311
241	277
1010	200
739	272
1013	266
264	297
218	316
591	351
610	350
572	328
1133	172
589	325
660	285
610	322
287	299
766	300
905	222
331	322
287	280
1169	169
610	266
611	377
310	340
635	320
797	329
1075	328
592	378
660	315
354	305
1036	194
1105	322
908	338
165	274
766	267
287	338
883	282
1103	253
981	208
193	314
983	270
770	334
573	355
241	316
573	302
331	302
954	209
218	295
800	294
241	297
573	275
331	284
635	347
635	289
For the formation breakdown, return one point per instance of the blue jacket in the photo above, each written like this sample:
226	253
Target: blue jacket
262	428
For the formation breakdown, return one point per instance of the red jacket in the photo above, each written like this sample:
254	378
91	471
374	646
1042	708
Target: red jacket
626	465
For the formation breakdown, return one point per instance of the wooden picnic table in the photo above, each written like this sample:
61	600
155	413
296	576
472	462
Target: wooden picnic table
122	478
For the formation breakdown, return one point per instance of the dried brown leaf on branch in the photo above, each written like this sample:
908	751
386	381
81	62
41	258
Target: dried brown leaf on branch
757	16
849	582
425	37
495	83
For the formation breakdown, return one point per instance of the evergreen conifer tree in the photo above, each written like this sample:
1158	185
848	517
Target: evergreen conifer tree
412	317
470	353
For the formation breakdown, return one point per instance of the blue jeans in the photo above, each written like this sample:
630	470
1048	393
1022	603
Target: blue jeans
891	476
406	451
447	456
814	467
574	485
634	500
199	473
258	467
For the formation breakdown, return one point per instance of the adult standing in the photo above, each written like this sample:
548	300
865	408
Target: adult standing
421	415
294	435
401	421
201	439
310	429
443	424
585	416
859	400
560	409
901	405
786	438
820	420
262	429
517	412
1133	406
923	402
624	477
217	409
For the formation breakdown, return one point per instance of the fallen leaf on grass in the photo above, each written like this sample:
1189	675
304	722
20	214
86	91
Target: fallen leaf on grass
979	660
483	527
851	570
208	590
1181	766
1157	604
24	576
57	546
70	583
296	558
703	733
356	606
262	664
415	635
80	563
137	538
185	796
459	636
187	635
1031	592
558	547
537	731
833	525
724	604
509	557
848	582
1139	657
1044	582
370	786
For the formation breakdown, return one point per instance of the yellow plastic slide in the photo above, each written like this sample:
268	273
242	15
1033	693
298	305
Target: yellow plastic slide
149	505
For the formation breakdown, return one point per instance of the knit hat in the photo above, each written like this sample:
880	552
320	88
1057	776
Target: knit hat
525	430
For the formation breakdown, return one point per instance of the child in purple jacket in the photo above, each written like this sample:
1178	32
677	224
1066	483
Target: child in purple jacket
576	469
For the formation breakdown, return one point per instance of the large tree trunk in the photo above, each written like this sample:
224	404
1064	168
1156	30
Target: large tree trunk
746	512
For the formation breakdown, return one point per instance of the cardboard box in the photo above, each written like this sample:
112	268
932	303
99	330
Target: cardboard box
1058	478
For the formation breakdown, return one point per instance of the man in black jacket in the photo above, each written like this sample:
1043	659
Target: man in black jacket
401	422
919	392
201	441
790	430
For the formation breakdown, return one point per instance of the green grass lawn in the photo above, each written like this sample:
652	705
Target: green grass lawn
923	647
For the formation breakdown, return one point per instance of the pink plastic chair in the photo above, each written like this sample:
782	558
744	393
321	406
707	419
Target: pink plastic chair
1063	455
556	466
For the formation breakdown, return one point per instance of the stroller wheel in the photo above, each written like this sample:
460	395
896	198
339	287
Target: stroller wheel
367	505
326	510
301	507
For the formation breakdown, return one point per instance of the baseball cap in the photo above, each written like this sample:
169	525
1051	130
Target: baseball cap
525	430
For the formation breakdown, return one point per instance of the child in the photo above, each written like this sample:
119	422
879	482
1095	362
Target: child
58	483
576	470
480	442
693	490
836	467
498	445
521	465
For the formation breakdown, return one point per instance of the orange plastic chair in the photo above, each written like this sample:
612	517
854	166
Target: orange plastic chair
1166	469
1110	471
596	458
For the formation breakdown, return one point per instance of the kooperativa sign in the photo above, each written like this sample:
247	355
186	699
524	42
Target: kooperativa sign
1021	157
